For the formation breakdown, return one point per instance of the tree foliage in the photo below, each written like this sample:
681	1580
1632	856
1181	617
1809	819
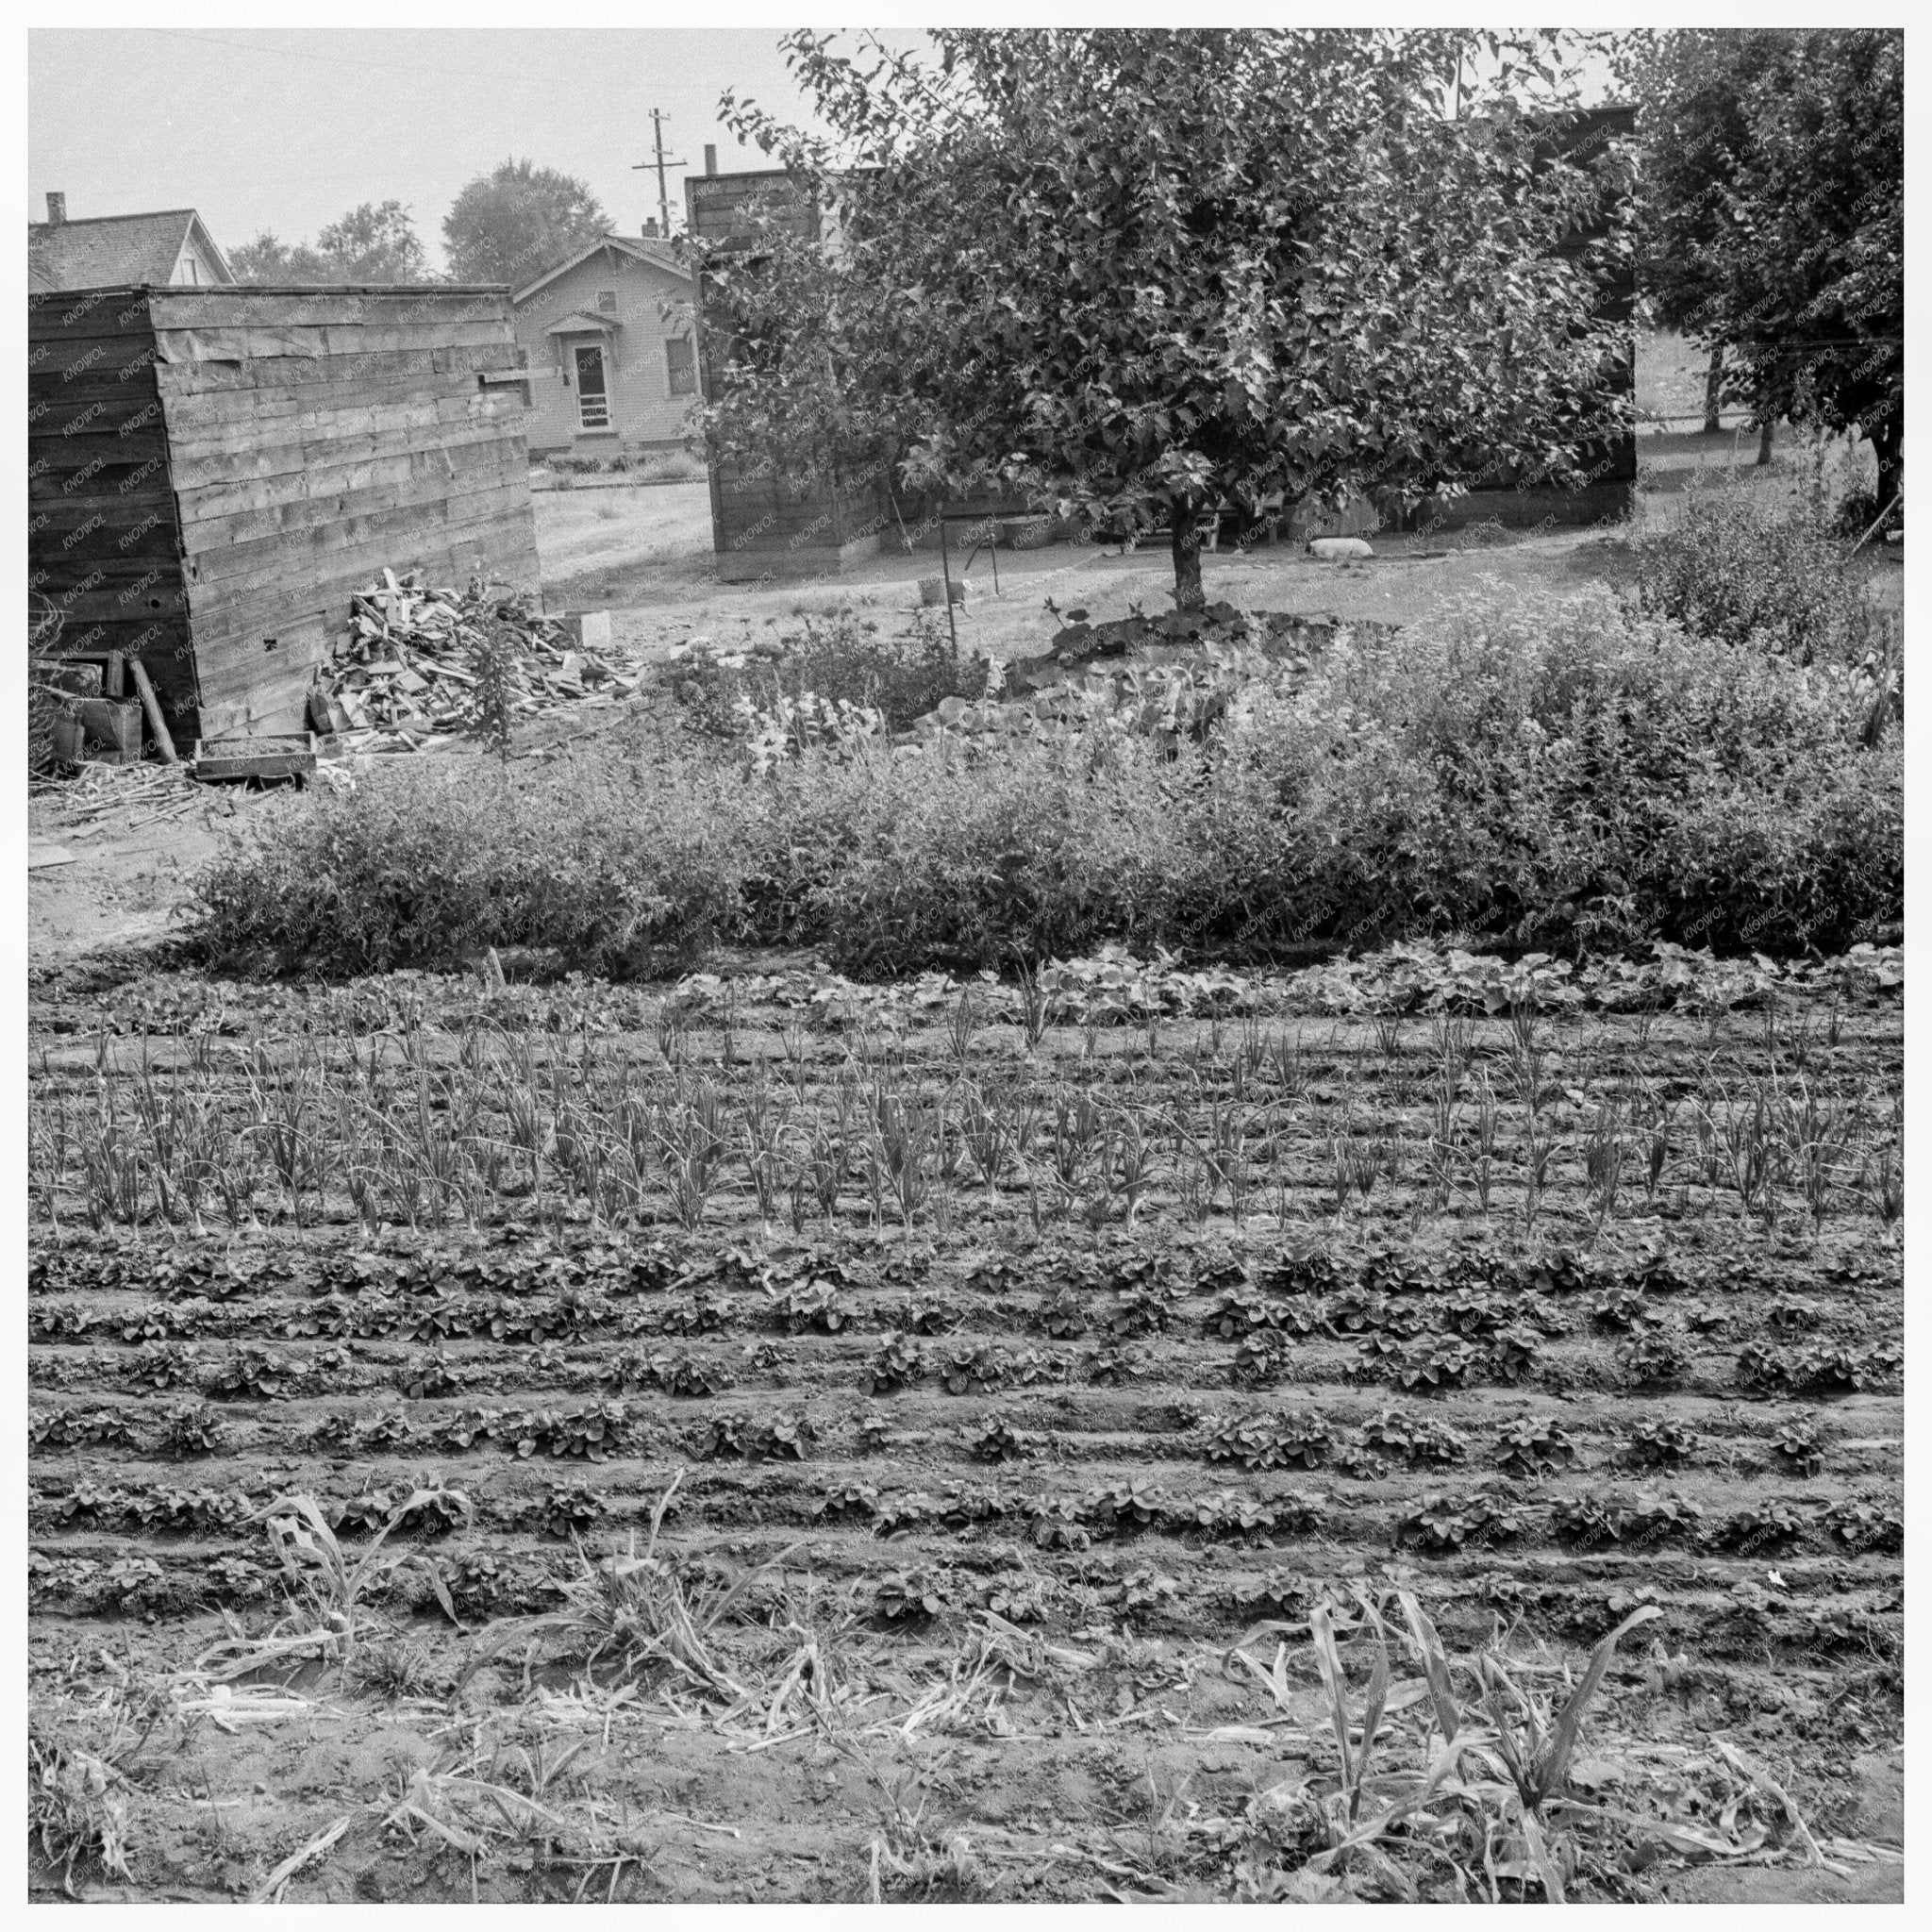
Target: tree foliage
268	258
513	224
374	243
1146	277
1772	188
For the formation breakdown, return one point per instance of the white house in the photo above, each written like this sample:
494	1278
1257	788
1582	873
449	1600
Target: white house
609	339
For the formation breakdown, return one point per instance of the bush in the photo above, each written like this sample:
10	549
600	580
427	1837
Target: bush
1560	769
1742	565
1859	511
1516	765
902	677
626	869
837	658
667	466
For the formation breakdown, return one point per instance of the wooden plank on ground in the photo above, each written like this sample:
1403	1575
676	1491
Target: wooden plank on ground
236	767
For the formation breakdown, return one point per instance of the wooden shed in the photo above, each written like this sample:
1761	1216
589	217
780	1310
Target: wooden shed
765	526
214	473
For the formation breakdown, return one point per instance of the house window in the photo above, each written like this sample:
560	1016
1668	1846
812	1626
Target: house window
594	400
189	270
680	363
607	301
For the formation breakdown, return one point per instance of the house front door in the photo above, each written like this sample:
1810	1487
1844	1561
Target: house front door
593	401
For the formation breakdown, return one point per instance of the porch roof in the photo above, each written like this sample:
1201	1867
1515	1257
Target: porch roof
580	321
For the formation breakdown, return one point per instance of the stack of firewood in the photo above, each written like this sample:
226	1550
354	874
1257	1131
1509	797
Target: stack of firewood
409	669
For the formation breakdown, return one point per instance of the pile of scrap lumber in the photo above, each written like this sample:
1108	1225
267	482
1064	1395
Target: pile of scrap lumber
406	678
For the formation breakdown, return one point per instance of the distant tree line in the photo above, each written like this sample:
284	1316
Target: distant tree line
1771	177
506	226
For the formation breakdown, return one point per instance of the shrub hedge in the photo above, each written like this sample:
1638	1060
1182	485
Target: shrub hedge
1552	771
1747	565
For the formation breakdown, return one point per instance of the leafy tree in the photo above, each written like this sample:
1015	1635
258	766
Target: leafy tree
1145	278
513	224
269	259
374	243
1773	176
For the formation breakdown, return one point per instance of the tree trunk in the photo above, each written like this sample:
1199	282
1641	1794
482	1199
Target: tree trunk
1888	447
1713	384
1764	426
1188	594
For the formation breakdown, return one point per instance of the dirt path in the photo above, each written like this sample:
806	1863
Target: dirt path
120	882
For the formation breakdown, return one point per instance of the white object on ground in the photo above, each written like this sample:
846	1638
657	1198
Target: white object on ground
1335	549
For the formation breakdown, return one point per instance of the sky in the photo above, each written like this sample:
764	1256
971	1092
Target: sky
285	130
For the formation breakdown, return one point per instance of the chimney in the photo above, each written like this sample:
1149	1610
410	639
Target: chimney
710	159
56	207
651	230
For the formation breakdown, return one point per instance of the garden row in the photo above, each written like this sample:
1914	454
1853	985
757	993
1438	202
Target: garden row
996	1374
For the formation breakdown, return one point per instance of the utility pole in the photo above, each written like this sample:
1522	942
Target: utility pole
660	165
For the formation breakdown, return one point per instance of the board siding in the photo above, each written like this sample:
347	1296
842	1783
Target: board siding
210	468
103	541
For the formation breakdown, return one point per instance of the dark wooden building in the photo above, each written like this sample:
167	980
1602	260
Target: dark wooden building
214	473
763	523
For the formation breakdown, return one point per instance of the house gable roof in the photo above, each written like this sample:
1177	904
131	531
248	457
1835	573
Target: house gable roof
645	249
117	251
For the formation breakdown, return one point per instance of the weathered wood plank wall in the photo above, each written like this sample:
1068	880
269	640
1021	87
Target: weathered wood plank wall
318	436
214	473
103	541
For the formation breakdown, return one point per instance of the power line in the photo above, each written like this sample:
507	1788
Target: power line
336	59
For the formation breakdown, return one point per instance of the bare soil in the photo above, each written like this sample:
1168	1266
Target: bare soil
1134	1754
